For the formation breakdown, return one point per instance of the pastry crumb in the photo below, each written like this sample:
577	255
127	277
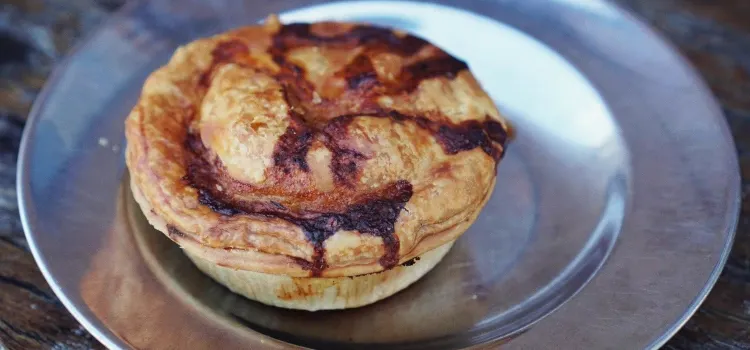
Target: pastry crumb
103	142
316	98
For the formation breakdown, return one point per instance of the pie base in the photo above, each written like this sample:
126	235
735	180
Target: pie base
327	293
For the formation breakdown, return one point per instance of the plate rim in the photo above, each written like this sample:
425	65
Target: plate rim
734	201
23	172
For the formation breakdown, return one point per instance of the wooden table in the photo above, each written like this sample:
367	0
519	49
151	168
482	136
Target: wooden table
713	34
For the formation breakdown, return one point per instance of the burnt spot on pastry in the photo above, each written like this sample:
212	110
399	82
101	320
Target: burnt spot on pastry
291	149
345	161
467	136
224	52
296	35
496	131
489	135
208	199
174	233
376	217
297	89
454	138
360	74
391	244
345	165
446	66
410	262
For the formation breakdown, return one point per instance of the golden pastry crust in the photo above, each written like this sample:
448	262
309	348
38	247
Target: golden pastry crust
330	149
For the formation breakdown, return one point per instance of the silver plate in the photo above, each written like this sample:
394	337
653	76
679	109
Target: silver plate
622	165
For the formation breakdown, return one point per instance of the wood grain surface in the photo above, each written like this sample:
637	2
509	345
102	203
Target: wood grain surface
34	34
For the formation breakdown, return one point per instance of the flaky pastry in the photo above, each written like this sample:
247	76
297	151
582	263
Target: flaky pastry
313	151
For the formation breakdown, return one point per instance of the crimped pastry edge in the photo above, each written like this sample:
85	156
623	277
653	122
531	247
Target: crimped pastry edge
257	261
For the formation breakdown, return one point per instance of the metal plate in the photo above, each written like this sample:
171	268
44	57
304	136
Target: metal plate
620	152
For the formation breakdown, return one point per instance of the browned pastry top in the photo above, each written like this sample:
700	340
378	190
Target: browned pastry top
313	149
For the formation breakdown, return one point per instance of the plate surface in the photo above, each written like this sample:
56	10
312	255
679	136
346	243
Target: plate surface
622	179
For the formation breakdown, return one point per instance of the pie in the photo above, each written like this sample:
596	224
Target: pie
314	166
